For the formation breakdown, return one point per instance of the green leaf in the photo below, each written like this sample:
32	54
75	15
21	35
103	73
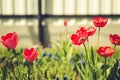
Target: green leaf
92	56
81	74
91	69
113	72
4	71
2	59
104	68
69	54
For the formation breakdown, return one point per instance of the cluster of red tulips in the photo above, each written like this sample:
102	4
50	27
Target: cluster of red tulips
81	36
10	41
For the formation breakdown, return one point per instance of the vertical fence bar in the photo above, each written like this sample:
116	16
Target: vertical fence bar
40	27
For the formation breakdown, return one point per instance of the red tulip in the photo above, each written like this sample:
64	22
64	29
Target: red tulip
115	39
30	54
65	23
80	36
10	40
105	51
91	31
99	21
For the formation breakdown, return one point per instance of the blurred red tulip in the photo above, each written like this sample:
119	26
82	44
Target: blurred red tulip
80	36
99	21
91	31
115	39
105	51
10	40
65	23
30	54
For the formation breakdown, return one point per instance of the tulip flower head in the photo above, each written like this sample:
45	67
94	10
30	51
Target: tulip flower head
30	55
80	36
65	23
10	40
91	31
105	51
99	21
115	39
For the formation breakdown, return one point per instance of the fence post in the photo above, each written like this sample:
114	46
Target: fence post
40	27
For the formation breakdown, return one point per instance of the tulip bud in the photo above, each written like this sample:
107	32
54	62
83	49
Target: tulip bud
65	23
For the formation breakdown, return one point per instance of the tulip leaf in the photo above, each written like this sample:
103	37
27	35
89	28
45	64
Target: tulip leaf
92	56
69	54
2	59
113	72
4	71
81	73
94	75
104	68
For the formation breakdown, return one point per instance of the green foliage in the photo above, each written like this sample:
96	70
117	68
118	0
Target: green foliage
113	72
58	65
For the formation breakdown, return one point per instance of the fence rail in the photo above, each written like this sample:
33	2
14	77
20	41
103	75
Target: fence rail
18	16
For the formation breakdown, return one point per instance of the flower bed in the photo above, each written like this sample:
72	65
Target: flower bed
67	60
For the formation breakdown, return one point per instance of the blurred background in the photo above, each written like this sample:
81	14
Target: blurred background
41	21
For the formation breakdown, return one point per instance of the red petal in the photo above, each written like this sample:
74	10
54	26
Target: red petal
82	32
115	39
15	38
7	36
74	39
99	21
10	40
28	52
101	50
65	23
91	31
10	44
105	51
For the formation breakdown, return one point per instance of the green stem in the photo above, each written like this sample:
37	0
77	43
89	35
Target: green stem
28	71
116	56
105	70
14	52
114	47
88	42
98	36
85	51
114	52
66	32
88	53
16	55
29	66
16	63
